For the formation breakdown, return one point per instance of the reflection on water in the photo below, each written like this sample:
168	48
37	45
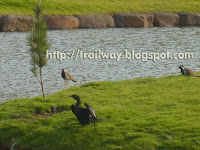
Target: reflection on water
17	81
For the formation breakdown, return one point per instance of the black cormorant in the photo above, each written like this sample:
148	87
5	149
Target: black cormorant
84	115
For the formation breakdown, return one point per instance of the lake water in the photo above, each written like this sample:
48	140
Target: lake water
17	81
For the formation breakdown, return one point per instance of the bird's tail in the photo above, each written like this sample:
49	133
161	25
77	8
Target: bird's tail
100	120
197	76
74	80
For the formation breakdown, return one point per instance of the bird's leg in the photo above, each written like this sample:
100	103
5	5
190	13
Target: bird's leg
67	84
91	119
95	120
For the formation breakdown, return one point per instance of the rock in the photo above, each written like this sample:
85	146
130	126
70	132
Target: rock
150	19
189	19
133	20
166	20
61	22
169	137
16	23
53	109
96	21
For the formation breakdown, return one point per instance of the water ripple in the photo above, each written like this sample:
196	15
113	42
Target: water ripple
16	80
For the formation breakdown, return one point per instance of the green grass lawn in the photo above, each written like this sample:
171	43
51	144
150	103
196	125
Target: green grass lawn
140	114
74	7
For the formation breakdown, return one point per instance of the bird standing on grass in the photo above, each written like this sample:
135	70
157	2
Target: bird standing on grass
84	115
188	72
67	76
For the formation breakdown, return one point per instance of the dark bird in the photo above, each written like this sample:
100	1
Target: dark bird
84	115
67	76
188	72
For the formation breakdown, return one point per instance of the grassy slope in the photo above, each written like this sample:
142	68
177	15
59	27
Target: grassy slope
70	7
139	114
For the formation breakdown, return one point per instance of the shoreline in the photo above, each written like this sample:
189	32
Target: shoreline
22	23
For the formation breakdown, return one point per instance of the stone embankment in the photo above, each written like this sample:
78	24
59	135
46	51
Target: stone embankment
9	23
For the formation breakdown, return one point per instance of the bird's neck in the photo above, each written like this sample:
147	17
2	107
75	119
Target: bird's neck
78	102
183	71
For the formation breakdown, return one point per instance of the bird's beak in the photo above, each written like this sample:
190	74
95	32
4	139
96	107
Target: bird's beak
70	96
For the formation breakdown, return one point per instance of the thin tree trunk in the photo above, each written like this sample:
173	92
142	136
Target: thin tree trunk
42	83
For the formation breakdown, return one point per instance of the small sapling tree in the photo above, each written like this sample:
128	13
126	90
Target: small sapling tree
38	45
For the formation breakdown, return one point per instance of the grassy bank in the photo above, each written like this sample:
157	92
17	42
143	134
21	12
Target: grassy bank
71	7
151	114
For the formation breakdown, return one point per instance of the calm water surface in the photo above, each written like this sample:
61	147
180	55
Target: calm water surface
17	81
